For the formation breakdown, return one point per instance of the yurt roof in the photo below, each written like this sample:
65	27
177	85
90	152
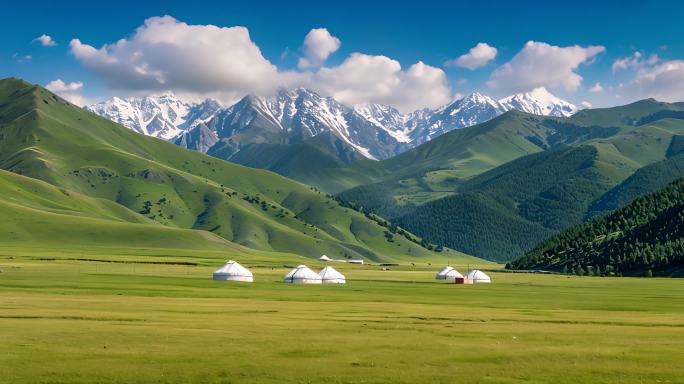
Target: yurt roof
329	273
302	272
477	274
234	268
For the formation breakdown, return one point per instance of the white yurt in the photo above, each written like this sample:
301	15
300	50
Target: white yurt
303	275
233	271
330	275
448	273
477	276
324	258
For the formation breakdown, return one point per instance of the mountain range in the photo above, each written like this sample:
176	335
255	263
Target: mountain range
491	178
372	131
71	177
497	189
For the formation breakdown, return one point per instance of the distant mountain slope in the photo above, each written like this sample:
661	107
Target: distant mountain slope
46	138
645	180
646	237
571	172
437	167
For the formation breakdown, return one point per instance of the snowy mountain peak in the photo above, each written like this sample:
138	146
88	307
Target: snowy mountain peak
164	116
539	101
294	115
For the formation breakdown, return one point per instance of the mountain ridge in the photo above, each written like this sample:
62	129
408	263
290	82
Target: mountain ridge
375	131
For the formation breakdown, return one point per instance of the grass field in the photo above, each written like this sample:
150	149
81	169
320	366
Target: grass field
69	321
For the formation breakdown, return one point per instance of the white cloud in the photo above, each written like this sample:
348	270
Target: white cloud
379	79
478	56
663	81
199	61
69	91
60	86
596	88
635	61
543	65
165	53
585	104
45	40
318	45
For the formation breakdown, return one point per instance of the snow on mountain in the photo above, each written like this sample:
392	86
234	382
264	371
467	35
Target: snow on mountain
164	116
387	118
291	116
539	102
470	110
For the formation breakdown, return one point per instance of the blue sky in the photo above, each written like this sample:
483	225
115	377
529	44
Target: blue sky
637	48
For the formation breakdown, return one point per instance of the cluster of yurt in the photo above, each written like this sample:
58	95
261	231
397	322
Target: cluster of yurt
233	271
450	274
304	275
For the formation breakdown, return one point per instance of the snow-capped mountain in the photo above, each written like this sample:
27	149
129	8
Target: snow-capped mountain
387	118
539	102
164	116
470	110
293	116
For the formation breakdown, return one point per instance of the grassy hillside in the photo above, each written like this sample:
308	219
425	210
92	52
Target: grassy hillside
46	138
645	180
575	169
522	202
323	160
646	237
39	215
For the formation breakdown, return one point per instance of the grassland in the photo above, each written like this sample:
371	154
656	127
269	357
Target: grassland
69	321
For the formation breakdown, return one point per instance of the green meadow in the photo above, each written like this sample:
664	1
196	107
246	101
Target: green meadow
67	320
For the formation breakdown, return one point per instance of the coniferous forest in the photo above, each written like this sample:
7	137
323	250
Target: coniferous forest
644	238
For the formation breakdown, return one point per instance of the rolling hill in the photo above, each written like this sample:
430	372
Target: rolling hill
46	138
497	189
643	238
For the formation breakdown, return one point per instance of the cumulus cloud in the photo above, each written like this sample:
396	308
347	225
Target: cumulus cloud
596	88
68	91
165	53
543	65
585	104
478	56
60	86
224	63
45	40
378	79
663	81
635	61
318	45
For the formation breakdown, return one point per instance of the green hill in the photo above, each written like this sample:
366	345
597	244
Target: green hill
574	170
323	160
645	237
645	180
37	214
46	138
